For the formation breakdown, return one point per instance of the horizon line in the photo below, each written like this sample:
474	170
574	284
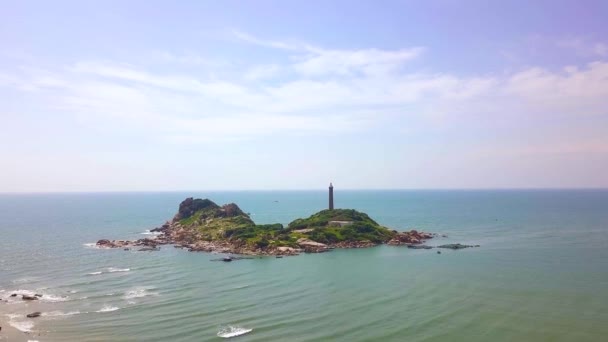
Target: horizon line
296	190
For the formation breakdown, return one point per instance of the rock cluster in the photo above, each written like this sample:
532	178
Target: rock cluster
456	246
411	237
203	226
145	244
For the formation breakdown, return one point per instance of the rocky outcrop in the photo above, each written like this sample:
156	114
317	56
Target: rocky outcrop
419	247
310	246
203	226
147	244
189	206
411	237
456	246
231	210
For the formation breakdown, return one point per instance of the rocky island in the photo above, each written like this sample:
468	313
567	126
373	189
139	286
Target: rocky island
202	225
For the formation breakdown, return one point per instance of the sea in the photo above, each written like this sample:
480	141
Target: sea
540	273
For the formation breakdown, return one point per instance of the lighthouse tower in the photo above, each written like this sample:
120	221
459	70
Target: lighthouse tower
331	196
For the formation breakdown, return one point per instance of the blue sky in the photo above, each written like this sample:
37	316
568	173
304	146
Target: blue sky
230	95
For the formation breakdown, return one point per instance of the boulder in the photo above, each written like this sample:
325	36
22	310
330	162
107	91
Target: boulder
34	314
310	246
26	297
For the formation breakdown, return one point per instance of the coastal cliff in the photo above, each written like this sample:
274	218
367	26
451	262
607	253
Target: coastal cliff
202	225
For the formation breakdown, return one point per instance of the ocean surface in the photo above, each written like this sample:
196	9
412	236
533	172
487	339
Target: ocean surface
541	273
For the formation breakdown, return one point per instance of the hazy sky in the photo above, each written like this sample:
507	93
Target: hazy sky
224	95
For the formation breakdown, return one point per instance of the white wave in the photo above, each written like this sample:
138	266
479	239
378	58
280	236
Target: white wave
95	273
52	298
33	341
59	313
148	232
90	245
138	292
108	308
21	325
25	280
46	297
114	269
230	331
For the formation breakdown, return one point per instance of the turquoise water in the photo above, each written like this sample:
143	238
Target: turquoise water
541	273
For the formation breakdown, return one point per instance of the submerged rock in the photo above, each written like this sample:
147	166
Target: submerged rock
149	249
26	297
34	314
419	247
456	246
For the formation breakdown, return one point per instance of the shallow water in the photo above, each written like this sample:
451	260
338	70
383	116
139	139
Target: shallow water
541	273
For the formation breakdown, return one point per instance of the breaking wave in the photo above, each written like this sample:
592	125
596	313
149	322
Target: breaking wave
110	270
138	293
108	308
44	298
59	313
21	325
232	331
148	232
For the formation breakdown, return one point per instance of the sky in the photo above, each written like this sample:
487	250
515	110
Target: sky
269	95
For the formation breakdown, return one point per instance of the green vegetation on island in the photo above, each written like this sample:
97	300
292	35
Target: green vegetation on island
202	225
209	222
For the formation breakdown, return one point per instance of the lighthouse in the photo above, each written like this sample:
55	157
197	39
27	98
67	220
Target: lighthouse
331	196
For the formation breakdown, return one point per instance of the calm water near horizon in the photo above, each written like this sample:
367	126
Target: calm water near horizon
541	273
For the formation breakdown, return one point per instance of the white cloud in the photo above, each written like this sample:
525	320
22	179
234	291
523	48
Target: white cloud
246	37
583	46
347	90
261	72
352	62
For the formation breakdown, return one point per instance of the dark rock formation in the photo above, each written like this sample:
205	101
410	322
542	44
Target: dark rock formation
232	210
149	249
34	314
456	246
189	206
26	297
419	247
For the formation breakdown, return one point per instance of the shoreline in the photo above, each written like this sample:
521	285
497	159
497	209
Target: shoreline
10	333
173	233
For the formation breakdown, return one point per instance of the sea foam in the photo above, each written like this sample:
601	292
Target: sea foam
107	308
21	325
46	297
233	331
138	293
